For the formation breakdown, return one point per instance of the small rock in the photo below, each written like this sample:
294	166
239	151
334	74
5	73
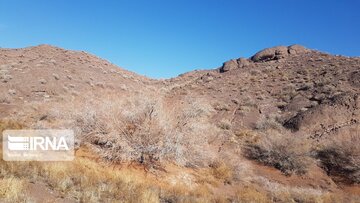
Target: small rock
12	91
56	76
123	87
42	81
100	84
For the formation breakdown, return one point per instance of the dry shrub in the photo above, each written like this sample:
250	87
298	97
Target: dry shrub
268	122
340	156
143	129
287	153
90	122
136	134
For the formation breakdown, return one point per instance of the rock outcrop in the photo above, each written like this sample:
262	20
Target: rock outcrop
234	64
278	52
340	111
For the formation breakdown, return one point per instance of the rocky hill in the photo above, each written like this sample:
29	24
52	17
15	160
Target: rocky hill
284	121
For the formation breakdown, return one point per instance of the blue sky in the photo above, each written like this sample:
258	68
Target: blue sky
163	38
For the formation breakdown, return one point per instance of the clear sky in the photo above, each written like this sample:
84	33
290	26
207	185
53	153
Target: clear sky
163	38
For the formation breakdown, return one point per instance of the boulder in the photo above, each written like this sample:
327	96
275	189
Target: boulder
269	54
297	49
243	62
229	65
234	64
278	52
354	79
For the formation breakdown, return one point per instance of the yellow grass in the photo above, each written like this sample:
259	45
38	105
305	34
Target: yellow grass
11	190
250	194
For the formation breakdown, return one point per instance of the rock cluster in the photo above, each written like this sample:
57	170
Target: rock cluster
278	52
268	54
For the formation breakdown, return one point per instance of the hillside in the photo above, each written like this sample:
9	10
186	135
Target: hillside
281	126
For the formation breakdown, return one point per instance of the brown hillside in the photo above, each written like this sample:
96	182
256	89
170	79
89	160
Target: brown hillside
280	126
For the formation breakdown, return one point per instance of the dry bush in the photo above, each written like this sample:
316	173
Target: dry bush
340	156
269	122
89	120
125	130
287	153
139	128
143	129
144	135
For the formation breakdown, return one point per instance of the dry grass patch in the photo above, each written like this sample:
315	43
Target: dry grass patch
85	180
326	197
12	190
9	125
221	171
250	194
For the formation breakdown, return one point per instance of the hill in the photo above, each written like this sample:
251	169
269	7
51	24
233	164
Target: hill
280	126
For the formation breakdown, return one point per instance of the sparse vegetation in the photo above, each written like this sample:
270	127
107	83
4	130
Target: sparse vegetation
340	156
224	124
284	152
268	122
85	180
251	194
183	139
144	132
